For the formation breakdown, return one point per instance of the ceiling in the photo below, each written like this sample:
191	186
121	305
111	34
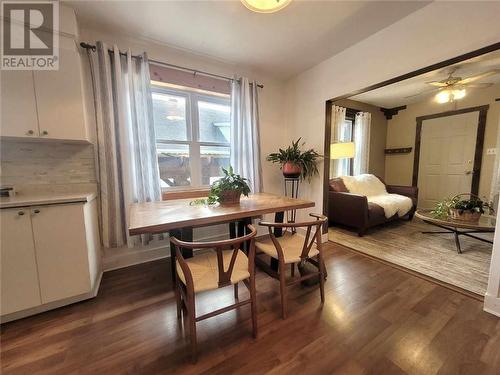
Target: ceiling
395	95
283	44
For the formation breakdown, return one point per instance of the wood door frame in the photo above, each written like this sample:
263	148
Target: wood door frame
330	102
478	153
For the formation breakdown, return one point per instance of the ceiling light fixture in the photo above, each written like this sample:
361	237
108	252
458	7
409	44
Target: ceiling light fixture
449	95
265	6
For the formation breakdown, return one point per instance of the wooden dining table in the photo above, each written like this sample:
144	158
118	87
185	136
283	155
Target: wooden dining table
178	217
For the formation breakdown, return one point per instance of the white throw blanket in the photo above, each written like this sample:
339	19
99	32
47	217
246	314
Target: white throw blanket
374	190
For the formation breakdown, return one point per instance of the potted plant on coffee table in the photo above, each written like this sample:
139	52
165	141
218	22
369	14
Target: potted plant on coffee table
295	162
227	190
460	209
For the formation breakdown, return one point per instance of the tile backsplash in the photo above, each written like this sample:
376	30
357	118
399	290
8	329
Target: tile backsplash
40	163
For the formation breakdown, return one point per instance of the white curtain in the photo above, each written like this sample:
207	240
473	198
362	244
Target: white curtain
495	182
339	167
127	163
245	139
362	142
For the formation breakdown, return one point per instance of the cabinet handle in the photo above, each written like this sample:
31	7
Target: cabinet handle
20	213
30	132
36	211
45	132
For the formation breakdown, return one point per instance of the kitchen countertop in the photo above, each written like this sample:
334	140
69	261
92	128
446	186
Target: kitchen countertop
23	200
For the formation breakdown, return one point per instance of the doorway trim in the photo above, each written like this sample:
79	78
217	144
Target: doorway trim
478	153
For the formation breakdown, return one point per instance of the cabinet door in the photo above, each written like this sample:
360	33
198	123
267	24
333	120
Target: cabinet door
59	97
18	110
19	278
61	251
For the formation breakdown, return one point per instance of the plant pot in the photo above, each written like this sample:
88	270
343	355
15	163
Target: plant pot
291	170
464	215
230	197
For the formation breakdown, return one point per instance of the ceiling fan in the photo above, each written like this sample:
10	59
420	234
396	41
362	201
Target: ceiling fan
454	87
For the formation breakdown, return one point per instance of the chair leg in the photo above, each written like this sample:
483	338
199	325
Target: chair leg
192	329
178	300
236	291
321	277
292	266
253	299
282	274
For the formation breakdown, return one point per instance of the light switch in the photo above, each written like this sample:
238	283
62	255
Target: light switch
491	151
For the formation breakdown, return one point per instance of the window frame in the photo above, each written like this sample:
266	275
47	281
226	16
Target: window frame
192	97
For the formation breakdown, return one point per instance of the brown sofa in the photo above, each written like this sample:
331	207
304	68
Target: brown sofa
353	210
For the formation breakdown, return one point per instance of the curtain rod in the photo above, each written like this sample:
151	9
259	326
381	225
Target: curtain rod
156	62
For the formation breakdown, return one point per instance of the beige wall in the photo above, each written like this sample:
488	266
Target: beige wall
401	133
378	132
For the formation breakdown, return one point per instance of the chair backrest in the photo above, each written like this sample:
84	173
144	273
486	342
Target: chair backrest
233	244
308	239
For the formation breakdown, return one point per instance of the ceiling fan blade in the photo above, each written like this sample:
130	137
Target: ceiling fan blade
479	85
422	93
437	83
467	80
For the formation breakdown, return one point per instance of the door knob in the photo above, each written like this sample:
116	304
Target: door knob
45	132
468	172
20	213
36	211
30	132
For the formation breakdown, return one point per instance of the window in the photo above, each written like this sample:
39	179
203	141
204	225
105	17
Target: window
192	136
344	166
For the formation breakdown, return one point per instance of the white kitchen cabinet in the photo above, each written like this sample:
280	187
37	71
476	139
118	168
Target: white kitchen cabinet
20	288
46	104
61	251
50	257
59	97
18	111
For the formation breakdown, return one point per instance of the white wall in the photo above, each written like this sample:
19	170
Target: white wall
436	32
273	129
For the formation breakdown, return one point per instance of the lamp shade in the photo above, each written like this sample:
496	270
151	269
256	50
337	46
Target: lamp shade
342	150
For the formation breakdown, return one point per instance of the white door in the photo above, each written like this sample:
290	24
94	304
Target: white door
446	164
61	251
18	111
19	276
59	97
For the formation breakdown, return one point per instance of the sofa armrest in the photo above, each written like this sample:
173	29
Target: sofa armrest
348	209
408	191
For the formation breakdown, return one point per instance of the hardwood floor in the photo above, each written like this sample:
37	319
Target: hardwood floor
376	319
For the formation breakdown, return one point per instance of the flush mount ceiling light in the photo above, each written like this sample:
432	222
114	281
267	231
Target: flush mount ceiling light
450	95
265	6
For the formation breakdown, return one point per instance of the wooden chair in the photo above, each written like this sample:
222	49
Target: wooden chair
291	249
227	265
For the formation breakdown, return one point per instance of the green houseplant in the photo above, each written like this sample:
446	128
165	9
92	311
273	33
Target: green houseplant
295	162
457	208
226	190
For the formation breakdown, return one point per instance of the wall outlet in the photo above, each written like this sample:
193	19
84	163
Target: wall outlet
491	151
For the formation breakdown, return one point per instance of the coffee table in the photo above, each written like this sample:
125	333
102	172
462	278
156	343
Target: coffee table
486	224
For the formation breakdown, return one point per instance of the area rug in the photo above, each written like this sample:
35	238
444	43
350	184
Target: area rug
404	244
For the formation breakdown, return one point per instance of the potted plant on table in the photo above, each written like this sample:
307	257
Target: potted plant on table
227	190
295	162
459	209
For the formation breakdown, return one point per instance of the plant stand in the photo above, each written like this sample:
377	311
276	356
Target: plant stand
291	189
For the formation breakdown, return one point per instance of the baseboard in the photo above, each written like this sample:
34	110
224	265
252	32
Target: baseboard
125	257
492	304
52	305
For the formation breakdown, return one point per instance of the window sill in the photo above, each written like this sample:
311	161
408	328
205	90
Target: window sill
184	194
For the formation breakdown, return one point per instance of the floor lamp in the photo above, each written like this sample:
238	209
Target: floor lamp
342	150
